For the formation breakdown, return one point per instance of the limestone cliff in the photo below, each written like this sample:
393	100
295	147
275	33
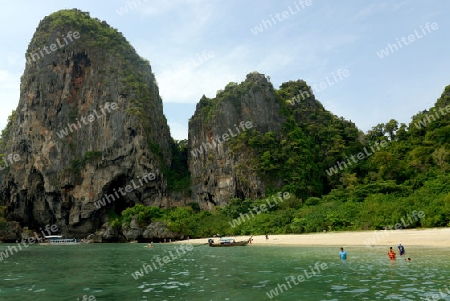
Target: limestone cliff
292	141
89	122
217	173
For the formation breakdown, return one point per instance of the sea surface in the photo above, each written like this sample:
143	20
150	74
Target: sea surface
103	272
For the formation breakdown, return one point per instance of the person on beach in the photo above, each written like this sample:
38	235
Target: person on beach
267	237
401	249
343	254
391	254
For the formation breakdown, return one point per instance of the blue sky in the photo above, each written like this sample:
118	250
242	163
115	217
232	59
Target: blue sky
309	42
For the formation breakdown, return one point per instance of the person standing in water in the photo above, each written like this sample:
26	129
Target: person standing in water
343	254
401	249
391	254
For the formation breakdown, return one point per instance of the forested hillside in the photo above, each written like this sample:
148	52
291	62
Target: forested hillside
396	171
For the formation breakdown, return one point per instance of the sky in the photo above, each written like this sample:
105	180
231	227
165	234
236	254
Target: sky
367	61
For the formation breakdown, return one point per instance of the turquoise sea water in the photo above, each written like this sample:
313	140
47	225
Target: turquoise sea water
103	271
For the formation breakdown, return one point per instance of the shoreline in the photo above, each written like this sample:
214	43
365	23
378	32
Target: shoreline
429	237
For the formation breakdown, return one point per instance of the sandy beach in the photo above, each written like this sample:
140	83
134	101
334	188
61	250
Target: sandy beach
437	237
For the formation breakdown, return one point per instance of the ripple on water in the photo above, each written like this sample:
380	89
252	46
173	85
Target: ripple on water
409	289
178	283
265	271
164	285
170	286
261	284
186	273
338	287
397	297
358	290
384	286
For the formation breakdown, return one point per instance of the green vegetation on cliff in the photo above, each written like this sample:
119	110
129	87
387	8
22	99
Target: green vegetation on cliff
311	139
178	177
77	164
93	31
6	133
410	173
383	205
110	48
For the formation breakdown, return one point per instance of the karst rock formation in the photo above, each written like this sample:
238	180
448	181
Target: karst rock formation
104	96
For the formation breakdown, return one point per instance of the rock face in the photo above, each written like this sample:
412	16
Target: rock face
89	122
291	141
156	232
10	231
218	174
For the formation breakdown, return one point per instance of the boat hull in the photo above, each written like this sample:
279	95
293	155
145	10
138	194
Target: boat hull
58	241
59	244
236	244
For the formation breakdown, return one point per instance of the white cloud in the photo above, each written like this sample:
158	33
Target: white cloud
178	131
9	95
161	7
14	58
368	11
188	85
399	5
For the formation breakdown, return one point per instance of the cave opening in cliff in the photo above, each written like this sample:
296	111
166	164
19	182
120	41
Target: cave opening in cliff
211	199
240	194
116	189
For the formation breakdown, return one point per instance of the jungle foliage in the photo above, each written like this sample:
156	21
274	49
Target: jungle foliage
409	174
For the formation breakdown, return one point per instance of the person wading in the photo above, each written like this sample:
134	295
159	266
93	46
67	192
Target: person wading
343	254
391	254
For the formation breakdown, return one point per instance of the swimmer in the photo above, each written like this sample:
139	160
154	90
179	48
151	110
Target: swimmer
391	254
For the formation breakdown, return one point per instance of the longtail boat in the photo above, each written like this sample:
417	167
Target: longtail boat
228	242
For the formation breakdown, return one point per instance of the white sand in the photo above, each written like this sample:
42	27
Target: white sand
437	237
